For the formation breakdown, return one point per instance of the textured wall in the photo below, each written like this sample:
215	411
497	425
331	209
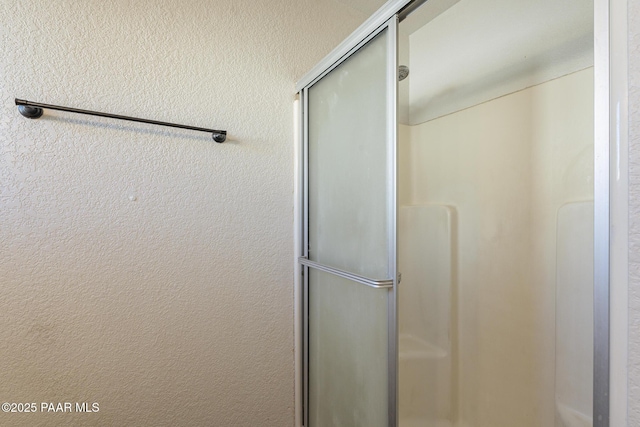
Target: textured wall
146	269
634	212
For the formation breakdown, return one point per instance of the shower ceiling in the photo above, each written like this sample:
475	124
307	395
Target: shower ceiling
482	49
472	51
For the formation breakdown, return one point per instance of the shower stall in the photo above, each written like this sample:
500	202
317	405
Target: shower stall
449	220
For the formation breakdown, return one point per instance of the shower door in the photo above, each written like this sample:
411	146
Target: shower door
349	248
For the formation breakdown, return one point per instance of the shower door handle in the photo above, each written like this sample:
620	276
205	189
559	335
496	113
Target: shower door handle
373	283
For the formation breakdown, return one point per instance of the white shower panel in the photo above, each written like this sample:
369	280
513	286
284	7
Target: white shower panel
574	315
425	321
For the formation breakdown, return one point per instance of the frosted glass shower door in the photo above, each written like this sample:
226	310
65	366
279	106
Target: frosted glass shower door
350	238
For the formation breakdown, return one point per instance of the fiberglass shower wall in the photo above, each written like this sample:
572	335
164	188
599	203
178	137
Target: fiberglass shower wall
495	238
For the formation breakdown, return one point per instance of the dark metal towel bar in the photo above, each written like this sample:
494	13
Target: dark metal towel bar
33	110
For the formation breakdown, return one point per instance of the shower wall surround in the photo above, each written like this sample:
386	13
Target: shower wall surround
504	168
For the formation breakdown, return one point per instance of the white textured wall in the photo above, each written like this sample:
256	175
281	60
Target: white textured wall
146	269
634	212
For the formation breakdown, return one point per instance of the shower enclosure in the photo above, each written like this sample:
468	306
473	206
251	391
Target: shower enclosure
448	216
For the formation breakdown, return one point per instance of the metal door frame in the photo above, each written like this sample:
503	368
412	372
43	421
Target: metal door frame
385	284
610	204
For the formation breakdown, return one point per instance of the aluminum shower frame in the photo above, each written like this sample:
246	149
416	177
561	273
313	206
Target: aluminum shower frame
610	204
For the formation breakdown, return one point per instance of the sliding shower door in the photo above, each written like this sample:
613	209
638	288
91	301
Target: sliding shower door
349	237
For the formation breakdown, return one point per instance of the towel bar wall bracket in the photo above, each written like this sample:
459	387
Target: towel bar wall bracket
30	112
34	110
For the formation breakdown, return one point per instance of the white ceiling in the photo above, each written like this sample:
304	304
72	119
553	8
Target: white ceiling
467	52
